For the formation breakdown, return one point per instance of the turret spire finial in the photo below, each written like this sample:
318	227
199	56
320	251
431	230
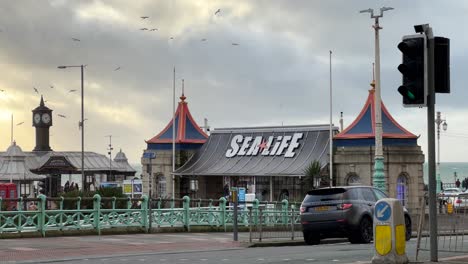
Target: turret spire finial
183	96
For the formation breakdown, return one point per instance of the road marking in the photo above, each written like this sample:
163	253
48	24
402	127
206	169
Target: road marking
142	259
286	259
24	248
335	260
260	259
224	259
203	259
310	259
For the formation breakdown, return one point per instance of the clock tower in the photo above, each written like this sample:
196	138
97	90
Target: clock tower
42	121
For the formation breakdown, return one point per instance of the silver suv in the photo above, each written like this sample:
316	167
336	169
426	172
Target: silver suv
342	212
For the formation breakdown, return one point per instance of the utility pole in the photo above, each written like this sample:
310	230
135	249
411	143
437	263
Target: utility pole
110	157
378	179
438	122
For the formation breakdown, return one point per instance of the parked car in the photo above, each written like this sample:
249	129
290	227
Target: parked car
450	195
342	212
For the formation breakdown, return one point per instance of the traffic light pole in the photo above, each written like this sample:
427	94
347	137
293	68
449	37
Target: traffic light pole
431	145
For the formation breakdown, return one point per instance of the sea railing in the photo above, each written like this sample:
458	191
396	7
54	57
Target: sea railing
96	213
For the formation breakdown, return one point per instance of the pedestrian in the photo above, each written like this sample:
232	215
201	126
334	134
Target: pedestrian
457	183
67	186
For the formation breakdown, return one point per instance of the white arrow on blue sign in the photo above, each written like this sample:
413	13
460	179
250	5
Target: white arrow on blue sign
383	211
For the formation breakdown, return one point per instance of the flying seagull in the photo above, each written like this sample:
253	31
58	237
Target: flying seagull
1	90
71	91
171	38
75	39
19	124
143	29
62	116
36	90
144	17
203	39
217	11
51	87
235	44
153	29
116	69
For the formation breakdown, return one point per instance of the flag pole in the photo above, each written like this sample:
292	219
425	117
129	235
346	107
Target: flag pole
11	143
173	135
331	132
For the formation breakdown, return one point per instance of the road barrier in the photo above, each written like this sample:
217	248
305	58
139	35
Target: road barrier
96	213
274	220
452	224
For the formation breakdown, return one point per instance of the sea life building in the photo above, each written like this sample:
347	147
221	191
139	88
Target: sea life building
354	152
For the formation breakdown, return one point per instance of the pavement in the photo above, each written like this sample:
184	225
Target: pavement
69	248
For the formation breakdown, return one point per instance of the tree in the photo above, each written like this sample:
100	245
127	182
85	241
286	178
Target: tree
311	172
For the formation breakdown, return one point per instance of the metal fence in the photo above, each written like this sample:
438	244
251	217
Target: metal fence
273	221
45	214
452	224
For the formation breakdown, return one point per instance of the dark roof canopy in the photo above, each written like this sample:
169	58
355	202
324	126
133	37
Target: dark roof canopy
260	151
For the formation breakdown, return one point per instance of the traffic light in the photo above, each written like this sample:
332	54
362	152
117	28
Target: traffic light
442	65
43	186
414	70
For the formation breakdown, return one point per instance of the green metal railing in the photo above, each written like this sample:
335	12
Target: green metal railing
44	214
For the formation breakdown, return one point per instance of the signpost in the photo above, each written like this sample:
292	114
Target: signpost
150	156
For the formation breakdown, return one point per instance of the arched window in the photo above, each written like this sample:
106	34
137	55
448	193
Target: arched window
402	189
353	179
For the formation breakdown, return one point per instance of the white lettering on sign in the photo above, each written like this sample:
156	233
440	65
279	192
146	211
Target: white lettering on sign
271	146
234	146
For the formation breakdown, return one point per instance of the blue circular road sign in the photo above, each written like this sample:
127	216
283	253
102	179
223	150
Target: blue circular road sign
383	211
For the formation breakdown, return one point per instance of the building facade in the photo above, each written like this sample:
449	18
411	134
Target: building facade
157	170
354	152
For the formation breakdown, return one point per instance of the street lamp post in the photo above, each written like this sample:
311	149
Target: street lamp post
439	121
379	172
83	179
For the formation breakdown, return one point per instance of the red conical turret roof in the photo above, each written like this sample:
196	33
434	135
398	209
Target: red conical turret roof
364	126
187	130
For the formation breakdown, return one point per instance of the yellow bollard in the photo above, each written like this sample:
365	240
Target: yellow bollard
449	207
389	233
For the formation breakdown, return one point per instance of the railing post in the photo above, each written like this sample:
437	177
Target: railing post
42	212
186	203
284	209
150	214
97	212
144	212
250	224
292	223
222	207
260	229
61	212
78	208
255	210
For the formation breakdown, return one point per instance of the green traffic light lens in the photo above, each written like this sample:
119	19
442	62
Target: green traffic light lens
410	95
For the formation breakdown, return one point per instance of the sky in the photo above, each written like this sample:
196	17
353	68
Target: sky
278	74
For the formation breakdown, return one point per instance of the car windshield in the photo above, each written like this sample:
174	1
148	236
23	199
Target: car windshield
321	195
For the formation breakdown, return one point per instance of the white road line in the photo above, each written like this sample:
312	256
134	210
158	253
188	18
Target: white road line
203	259
335	260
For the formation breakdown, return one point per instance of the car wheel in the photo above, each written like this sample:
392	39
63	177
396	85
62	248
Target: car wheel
364	233
408	228
311	239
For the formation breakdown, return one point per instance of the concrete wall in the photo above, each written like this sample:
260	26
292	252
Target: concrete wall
399	161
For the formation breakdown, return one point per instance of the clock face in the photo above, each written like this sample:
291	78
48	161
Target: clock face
46	118
37	118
